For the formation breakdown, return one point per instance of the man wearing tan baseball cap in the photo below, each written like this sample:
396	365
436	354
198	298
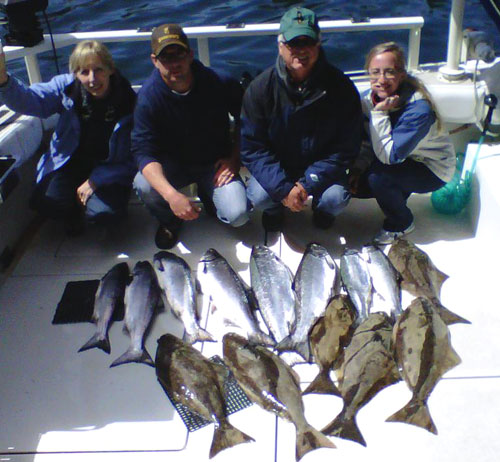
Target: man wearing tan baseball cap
182	136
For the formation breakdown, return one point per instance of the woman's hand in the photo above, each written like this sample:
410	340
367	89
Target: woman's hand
391	102
84	191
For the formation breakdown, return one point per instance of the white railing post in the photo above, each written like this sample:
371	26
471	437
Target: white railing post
33	68
414	48
204	51
452	71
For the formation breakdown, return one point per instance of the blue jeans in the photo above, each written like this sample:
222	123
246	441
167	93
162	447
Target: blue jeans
332	201
229	200
55	197
392	185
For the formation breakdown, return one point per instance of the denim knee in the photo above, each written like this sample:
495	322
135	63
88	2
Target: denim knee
334	199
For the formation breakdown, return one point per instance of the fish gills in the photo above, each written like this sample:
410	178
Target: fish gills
198	384
178	291
109	294
420	276
141	298
368	366
327	338
269	382
424	354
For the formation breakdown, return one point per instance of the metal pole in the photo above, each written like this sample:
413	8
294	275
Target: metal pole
33	68
414	48
452	71
204	51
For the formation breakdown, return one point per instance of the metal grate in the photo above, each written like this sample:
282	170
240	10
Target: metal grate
234	397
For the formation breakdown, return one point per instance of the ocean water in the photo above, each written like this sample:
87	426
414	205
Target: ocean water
252	54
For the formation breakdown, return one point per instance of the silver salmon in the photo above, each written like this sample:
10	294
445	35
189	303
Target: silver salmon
230	295
268	381
141	299
424	354
315	283
109	294
357	281
272	282
178	291
197	383
367	367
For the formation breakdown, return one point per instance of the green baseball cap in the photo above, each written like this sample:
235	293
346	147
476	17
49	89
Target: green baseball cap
299	21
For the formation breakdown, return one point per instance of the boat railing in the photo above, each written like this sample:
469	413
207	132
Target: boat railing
204	34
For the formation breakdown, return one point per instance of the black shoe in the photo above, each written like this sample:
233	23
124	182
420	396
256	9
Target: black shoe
166	238
273	222
323	220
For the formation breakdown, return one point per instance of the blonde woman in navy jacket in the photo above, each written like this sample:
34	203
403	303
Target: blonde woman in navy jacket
408	151
88	168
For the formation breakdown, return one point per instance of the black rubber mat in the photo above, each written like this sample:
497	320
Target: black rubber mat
234	397
77	303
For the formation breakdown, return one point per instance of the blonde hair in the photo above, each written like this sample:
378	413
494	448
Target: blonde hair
399	55
87	49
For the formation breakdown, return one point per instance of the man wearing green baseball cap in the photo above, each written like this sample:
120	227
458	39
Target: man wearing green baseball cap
301	125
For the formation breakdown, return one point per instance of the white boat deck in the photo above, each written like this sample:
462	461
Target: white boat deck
59	405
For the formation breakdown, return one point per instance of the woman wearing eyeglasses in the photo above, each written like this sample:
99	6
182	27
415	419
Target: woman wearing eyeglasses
408	151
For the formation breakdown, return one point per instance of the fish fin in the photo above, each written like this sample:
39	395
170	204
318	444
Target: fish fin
133	355
285	345
322	384
262	338
448	316
303	350
200	335
309	439
97	341
414	413
345	428
226	436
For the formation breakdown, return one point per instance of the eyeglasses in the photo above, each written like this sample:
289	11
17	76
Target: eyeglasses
303	42
168	58
389	74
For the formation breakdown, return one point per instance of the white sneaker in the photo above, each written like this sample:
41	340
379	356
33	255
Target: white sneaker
388	237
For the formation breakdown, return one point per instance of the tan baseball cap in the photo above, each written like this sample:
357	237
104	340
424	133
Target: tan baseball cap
168	34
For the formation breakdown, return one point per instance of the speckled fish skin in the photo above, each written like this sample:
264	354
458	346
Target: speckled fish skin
420	277
357	281
315	284
178	289
424	354
268	381
385	279
367	367
272	282
229	295
327	338
141	298
198	384
109	294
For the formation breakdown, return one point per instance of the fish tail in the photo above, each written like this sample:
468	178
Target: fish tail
416	413
322	384
97	341
227	436
201	335
345	428
264	339
310	439
286	344
448	316
303	350
133	355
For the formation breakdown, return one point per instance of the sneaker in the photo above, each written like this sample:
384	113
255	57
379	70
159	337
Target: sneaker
273	222
323	220
166	238
388	237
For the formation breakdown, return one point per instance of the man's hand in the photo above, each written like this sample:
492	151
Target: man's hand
226	170
296	199
182	207
84	191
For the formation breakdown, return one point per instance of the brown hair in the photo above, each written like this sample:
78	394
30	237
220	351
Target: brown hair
86	49
416	84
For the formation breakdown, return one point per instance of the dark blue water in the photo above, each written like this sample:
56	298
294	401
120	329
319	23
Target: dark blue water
346	50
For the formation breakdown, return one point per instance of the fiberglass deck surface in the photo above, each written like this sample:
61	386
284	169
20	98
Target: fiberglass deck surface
59	405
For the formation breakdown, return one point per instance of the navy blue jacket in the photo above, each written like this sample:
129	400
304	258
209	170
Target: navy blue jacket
310	136
190	129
